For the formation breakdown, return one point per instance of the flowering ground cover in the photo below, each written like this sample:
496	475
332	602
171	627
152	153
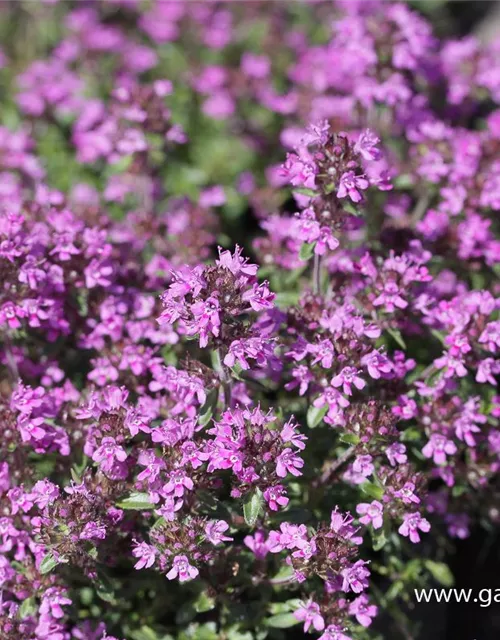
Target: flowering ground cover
249	326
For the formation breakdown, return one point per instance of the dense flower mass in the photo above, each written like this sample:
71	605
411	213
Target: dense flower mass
249	316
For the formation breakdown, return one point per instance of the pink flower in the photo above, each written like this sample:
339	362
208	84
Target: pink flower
355	578
348	377
396	453
412	522
276	497
182	569
146	554
362	610
109	452
406	494
438	448
288	462
366	145
390	297
214	531
310	614
350	184
257	543
372	513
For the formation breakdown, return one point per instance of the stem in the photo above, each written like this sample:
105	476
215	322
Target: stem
331	468
420	208
225	379
11	361
317	274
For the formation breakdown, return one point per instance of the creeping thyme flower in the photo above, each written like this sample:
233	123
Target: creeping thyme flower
182	569
249	314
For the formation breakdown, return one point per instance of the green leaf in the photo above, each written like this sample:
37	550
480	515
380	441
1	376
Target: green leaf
372	490
144	633
350	208
251	508
349	438
136	500
185	613
307	250
104	587
397	337
304	191
120	166
403	181
28	608
315	415
284	575
439	335
204	603
282	621
286	299
440	572
379	539
48	563
208	409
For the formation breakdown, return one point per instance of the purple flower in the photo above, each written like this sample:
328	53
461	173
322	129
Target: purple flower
348	377
310	614
109	452
350	185
289	434
257	543
372	513
438	448
214	531
93	531
412	523
288	462
182	569
376	364
276	497
366	145
145	553
363	465
406	494
177	483
363	610
396	453
355	578
390	298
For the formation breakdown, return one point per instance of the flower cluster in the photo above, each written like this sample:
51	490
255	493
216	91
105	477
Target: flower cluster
249	316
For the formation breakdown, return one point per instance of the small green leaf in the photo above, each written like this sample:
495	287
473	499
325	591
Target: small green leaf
412	434
307	250
440	572
438	335
208	409
397	337
282	621
349	438
48	563
251	508
286	299
285	574
315	415
136	500
379	539
350	208
204	603
304	191
403	181
28	608
121	165
372	490
104	588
